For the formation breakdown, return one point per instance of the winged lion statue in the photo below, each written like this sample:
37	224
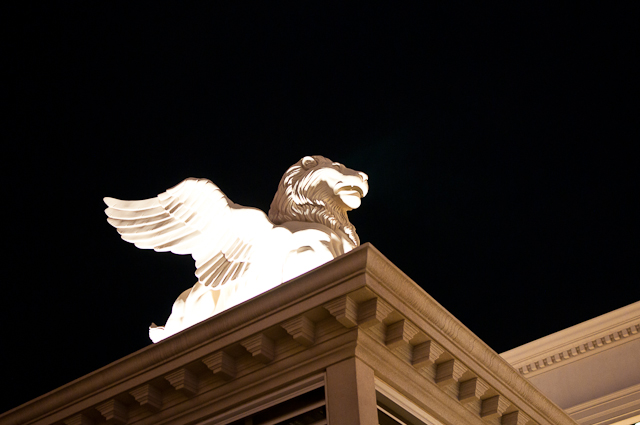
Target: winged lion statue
240	252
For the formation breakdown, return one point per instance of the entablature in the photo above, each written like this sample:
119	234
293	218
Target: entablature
359	305
577	342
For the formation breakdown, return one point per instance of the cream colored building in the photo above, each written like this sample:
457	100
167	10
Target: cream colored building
354	342
591	370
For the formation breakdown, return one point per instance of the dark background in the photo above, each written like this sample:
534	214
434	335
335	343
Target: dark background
500	145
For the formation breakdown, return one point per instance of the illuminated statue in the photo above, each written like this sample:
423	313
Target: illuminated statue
239	252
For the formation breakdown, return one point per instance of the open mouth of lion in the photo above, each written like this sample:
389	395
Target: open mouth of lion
350	190
350	195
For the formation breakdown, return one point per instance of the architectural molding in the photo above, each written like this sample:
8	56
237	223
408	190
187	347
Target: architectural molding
302	329
404	337
373	312
576	342
472	389
624	404
221	364
79	419
345	310
494	406
449	372
400	333
183	380
148	396
516	418
426	353
114	411
261	347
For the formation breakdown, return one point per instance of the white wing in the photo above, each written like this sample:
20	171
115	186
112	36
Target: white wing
195	218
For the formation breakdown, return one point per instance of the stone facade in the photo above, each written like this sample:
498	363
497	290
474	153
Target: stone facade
591	370
381	348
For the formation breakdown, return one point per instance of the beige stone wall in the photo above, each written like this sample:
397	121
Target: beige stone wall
357	325
593	377
592	370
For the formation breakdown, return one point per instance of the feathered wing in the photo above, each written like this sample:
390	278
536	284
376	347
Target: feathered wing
195	218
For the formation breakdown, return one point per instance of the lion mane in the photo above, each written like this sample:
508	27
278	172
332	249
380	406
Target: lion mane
305	195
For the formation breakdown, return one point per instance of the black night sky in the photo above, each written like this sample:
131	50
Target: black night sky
500	146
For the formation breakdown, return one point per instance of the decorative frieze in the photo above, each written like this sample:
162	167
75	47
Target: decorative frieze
261	347
471	389
148	396
301	329
114	411
449	372
426	353
345	310
372	312
399	333
494	406
184	381
221	364
576	342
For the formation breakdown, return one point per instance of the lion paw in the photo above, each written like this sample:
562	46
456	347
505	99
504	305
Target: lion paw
156	333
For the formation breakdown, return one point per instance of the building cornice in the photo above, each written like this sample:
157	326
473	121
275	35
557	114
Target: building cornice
359	305
577	342
624	403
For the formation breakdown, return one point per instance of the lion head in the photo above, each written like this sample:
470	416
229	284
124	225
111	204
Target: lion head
318	190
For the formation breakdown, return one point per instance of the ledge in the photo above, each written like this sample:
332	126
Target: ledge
359	305
577	342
